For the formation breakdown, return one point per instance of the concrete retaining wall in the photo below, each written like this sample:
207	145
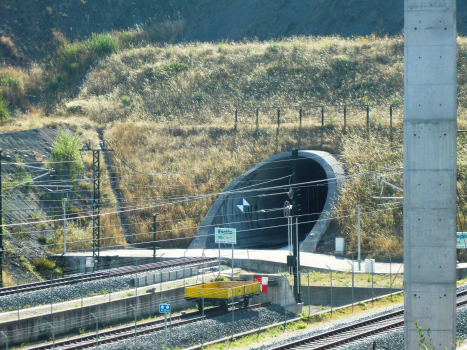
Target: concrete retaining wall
321	295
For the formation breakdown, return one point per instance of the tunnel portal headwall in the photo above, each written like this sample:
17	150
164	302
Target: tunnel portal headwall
264	187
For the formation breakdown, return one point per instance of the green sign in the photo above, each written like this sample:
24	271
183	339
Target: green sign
226	235
461	240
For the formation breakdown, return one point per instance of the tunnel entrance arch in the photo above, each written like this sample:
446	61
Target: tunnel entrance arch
264	186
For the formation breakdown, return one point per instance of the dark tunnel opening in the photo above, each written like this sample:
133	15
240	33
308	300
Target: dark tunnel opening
263	225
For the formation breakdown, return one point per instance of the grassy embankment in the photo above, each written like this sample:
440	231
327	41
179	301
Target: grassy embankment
170	110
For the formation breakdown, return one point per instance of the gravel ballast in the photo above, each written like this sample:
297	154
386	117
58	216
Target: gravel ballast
69	292
191	334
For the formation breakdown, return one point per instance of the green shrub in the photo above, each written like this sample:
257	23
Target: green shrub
43	264
10	81
66	149
126	100
41	239
103	44
4	111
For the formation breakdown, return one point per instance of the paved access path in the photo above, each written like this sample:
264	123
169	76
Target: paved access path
308	260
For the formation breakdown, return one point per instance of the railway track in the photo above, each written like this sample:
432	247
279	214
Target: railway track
116	272
347	334
128	332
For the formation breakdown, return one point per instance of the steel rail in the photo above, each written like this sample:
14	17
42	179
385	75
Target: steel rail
120	333
93	276
346	334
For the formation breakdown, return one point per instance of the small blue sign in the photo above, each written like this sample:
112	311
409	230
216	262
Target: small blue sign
164	308
243	205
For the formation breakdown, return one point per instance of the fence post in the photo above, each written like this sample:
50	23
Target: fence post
202	316
278	117
390	121
257	117
331	286
51	293
345	118
134	310
97	328
368	120
233	320
300	129
5	338
352	264
390	274
309	299
170	320
322	115
53	334
236	116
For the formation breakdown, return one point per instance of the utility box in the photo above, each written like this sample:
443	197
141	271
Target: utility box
89	261
339	245
369	265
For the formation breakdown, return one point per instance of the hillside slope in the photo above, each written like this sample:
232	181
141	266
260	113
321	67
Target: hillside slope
27	26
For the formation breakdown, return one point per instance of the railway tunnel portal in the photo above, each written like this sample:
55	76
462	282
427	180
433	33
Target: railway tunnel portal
262	225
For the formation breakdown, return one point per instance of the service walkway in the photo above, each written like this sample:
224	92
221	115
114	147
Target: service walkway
251	258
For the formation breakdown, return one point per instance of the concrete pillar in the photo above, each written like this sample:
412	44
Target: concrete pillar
430	114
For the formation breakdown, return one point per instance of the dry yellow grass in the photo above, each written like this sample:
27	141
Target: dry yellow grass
201	82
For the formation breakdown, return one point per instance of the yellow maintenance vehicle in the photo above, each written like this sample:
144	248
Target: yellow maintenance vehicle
222	293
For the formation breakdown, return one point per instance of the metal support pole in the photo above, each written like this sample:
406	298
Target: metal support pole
51	284
81	292
165	331
300	129
95	199
232	261
331	286
233	318
64	224
285	301
17	298
160	272
372	273
390	122
257	117
97	329
236	116
309	299
184	268
248	255
95	208
154	216
110	278
260	291
368	120
219	260
358	239
345	119
136	282
202	316
202	277
1	223
170	316
352	264
294	215
390	274
278	117
6	339
134	311
322	115
53	334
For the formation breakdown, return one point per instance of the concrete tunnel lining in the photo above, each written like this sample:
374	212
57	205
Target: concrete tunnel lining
263	225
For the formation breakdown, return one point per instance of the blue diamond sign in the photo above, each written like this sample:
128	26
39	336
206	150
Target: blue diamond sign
243	205
164	308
